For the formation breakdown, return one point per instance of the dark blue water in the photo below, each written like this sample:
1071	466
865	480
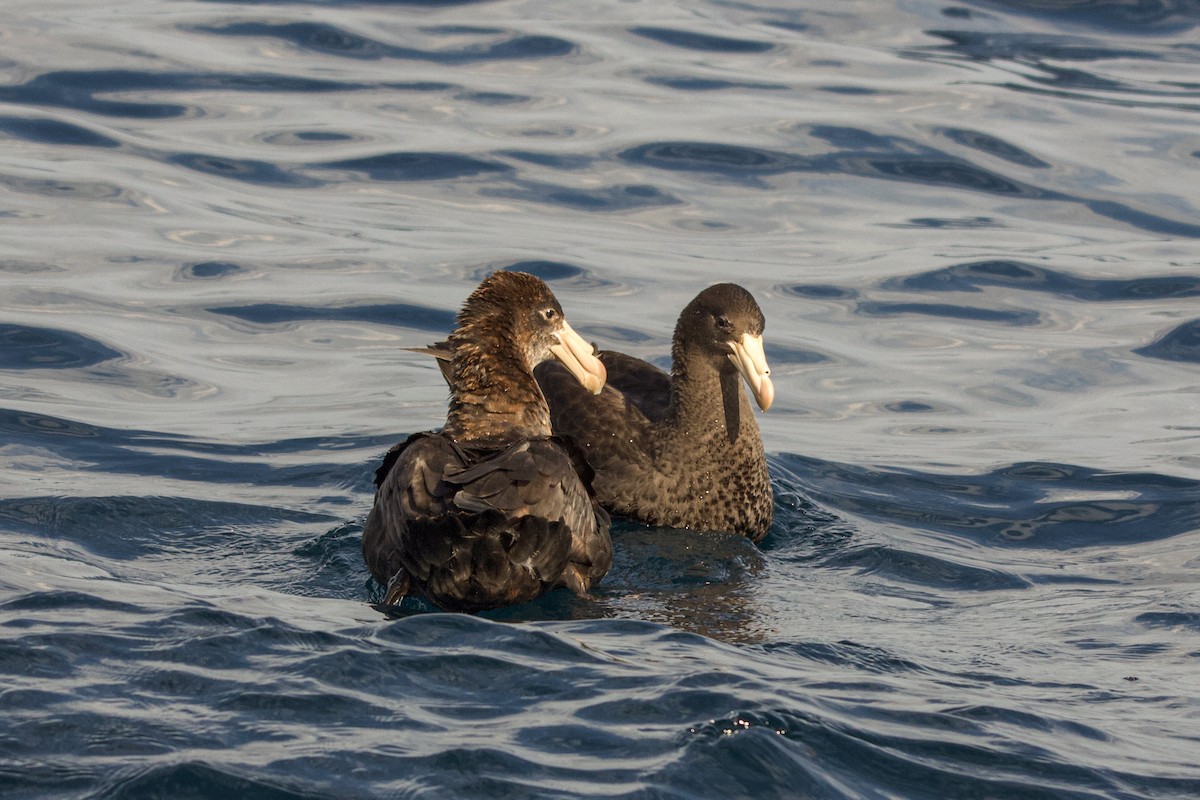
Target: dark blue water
974	231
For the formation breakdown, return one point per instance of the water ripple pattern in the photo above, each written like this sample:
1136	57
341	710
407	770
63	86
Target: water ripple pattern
973	227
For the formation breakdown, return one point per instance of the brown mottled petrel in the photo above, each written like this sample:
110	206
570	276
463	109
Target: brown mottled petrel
681	450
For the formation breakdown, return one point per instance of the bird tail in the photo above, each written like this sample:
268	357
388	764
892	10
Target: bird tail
489	560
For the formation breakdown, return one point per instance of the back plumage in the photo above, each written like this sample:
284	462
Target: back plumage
493	510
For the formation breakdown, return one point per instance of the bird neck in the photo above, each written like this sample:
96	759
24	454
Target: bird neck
493	395
707	400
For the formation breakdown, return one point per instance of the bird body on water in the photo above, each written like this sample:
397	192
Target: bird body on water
493	509
681	450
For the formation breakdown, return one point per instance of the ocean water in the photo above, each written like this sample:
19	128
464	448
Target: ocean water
973	228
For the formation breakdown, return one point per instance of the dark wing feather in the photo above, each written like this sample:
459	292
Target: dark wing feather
409	487
534	477
389	461
495	526
613	433
641	383
517	463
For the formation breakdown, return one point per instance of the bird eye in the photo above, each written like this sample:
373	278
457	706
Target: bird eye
549	314
724	324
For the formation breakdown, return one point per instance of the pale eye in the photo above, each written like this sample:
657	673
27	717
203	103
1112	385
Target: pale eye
549	314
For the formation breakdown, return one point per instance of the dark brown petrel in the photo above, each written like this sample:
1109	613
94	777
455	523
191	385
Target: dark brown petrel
493	509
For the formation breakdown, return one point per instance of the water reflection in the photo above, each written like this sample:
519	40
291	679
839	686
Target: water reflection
65	189
1181	343
420	4
210	270
602	199
331	40
692	581
948	311
868	155
261	173
54	132
1143	17
26	347
994	146
985	216
83	448
404	315
688	83
974	275
703	42
1034	49
1035	63
422	166
1035	504
79	89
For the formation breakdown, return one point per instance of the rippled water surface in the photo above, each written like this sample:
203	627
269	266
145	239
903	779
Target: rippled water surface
974	231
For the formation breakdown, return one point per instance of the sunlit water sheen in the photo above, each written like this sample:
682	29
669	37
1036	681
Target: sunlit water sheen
974	231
